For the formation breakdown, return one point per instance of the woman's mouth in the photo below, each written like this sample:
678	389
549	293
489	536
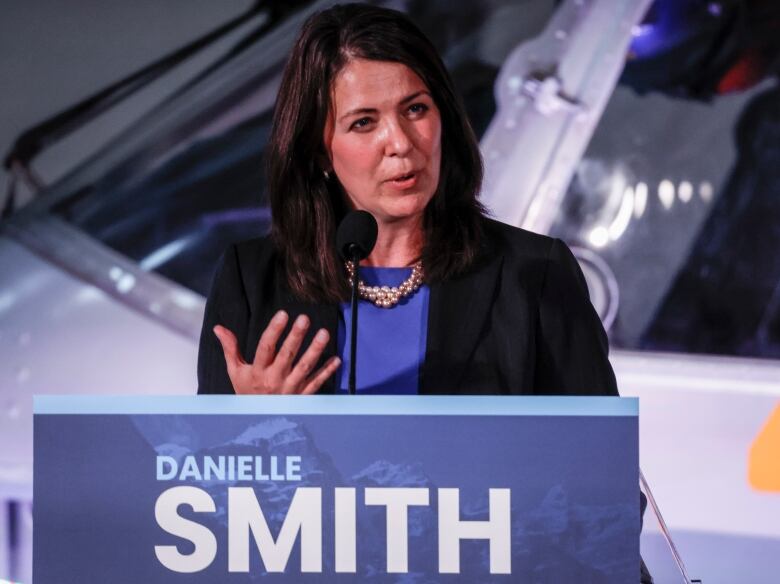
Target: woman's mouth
405	181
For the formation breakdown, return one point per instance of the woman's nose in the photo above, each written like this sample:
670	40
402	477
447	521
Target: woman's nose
398	141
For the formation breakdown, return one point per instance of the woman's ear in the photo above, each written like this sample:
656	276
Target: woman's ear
324	162
325	165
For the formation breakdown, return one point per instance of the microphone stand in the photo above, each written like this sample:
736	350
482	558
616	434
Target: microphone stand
665	530
355	238
355	253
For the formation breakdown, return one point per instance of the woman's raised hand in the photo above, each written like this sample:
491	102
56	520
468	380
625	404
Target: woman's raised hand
273	372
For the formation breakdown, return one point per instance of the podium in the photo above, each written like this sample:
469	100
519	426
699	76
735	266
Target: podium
335	489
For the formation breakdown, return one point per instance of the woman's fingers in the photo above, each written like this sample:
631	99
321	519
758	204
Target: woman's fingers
273	372
322	375
266	347
289	349
307	362
229	344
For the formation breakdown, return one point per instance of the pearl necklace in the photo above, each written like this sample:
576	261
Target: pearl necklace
386	296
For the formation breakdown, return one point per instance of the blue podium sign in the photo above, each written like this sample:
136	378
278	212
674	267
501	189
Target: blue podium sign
335	489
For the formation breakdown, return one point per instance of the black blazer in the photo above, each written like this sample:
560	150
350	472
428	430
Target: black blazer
520	322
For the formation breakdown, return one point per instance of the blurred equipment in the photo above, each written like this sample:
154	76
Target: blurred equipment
18	161
702	48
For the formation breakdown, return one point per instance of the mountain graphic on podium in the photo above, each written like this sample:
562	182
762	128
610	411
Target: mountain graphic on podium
554	540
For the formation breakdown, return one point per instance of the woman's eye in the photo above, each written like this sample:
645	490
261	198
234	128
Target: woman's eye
418	108
360	124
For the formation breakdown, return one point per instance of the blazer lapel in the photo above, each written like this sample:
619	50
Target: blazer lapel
456	316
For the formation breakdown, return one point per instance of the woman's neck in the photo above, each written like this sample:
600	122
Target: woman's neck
397	245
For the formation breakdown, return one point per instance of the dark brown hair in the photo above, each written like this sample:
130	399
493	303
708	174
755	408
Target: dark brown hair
306	206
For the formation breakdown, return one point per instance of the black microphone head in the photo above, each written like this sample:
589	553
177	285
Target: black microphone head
356	235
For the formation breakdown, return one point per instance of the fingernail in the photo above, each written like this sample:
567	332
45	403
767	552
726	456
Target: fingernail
280	317
301	322
322	335
336	361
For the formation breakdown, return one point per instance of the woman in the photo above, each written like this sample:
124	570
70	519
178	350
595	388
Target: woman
367	118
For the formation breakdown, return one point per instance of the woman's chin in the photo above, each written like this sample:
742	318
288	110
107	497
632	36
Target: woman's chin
401	208
399	213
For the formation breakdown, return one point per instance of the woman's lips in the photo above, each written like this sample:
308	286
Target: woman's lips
403	182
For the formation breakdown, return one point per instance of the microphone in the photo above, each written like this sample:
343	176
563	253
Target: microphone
355	239
356	235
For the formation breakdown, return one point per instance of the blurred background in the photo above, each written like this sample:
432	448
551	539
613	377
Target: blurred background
645	134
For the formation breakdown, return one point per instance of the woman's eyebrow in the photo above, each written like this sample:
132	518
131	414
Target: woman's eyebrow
373	110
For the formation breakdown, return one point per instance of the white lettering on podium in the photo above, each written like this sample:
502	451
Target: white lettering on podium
397	501
245	515
166	475
231	468
304	516
345	530
497	529
168	518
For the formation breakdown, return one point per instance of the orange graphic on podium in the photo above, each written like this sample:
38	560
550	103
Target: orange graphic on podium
764	459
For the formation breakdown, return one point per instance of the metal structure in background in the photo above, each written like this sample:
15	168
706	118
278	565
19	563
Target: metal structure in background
111	264
551	93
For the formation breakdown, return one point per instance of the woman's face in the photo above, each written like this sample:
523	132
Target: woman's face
383	138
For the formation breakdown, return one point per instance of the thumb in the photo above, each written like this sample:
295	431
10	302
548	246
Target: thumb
229	347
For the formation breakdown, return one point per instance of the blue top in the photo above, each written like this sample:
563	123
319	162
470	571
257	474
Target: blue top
391	341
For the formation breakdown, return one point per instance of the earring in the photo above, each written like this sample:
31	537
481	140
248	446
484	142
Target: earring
326	174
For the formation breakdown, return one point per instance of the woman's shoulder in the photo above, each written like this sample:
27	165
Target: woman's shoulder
248	269
515	242
250	262
256	252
